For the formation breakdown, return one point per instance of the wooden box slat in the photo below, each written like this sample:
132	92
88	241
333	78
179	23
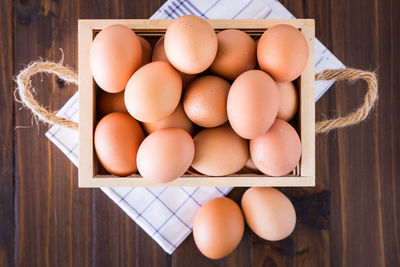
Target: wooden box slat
303	175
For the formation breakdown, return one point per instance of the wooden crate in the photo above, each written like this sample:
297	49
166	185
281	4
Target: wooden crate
303	175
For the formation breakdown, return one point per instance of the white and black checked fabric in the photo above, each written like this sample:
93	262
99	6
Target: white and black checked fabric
166	213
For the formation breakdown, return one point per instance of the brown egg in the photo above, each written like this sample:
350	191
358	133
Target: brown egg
219	151
257	67
236	54
159	55
146	51
253	102
268	213
282	52
165	155
251	166
115	55
153	92
278	151
159	51
205	101
187	79
177	119
289	101
218	227
108	103
190	44
116	139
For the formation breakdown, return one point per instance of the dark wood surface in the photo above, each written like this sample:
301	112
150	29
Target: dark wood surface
351	218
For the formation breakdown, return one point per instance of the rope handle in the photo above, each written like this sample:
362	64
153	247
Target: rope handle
26	98
24	90
361	113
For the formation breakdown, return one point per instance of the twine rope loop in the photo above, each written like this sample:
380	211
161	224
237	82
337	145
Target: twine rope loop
361	113
24	90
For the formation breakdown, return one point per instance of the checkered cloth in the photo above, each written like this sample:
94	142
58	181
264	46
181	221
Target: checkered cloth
166	213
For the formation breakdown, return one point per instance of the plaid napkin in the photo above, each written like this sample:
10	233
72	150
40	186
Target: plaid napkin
166	213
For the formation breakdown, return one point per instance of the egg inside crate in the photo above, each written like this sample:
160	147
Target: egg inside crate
236	54
153	92
253	103
219	151
159	55
250	166
159	51
177	119
205	101
289	100
282	52
115	54
117	137
190	44
165	155
146	51
278	151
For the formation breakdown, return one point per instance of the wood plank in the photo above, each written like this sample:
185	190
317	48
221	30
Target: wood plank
7	244
187	253
358	197
53	221
256	26
113	236
235	180
59	224
116	239
386	135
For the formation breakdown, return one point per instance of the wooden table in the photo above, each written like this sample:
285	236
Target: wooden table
351	218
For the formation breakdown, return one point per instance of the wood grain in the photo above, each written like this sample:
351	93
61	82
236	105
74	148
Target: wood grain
51	230
7	229
351	217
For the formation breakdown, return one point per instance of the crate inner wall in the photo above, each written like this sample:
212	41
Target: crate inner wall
93	175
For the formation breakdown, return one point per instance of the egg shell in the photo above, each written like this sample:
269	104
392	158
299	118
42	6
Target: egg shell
253	103
282	52
159	55
116	140
187	79
205	101
289	101
146	51
236	54
218	227
159	51
165	155
115	55
251	166
190	44
108	103
268	213
177	119
153	92
219	151
278	151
